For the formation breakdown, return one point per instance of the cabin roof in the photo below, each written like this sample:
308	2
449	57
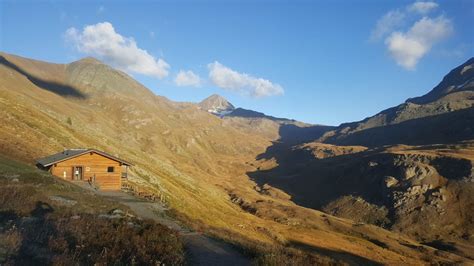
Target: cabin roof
68	154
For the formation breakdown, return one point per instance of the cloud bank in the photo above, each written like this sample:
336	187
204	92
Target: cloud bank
228	79
408	46
187	78
102	41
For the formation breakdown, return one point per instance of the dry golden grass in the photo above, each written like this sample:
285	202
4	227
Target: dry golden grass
44	220
193	158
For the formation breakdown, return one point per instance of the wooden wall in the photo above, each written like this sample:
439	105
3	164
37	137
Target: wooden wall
92	163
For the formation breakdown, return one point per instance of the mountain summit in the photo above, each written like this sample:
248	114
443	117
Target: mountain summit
217	105
459	79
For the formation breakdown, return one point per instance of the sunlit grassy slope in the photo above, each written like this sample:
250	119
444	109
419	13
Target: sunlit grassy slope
196	160
44	220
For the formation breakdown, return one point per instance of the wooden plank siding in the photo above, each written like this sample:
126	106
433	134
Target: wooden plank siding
92	164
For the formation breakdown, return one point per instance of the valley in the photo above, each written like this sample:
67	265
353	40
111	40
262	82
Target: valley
396	188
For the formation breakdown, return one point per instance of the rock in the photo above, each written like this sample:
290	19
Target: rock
373	164
108	216
414	190
16	180
117	212
75	217
424	188
390	181
409	173
63	201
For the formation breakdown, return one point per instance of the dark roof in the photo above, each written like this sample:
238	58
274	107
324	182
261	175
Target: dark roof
68	154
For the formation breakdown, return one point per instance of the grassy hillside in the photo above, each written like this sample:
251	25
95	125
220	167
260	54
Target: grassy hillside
198	162
44	220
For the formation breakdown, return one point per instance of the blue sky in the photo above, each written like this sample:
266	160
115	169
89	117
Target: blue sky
323	62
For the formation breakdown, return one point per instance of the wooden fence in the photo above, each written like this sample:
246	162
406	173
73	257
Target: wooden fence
141	192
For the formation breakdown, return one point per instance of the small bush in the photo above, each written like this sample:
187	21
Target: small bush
34	230
288	256
89	239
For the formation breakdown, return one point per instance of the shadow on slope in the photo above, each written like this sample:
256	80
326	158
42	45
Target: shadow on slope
340	256
287	158
245	113
313	182
54	87
445	128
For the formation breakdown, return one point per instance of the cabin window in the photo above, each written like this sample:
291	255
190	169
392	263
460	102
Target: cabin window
110	169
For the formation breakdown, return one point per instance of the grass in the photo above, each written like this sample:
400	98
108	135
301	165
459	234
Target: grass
196	179
80	229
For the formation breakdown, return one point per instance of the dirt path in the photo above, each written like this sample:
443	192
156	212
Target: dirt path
201	250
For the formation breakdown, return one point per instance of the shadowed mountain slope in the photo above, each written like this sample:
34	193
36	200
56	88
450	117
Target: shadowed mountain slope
361	171
195	161
459	79
408	123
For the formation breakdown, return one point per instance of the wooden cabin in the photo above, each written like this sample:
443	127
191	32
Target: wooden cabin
98	168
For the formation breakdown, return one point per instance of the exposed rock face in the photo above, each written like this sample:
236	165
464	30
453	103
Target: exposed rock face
390	181
412	186
422	191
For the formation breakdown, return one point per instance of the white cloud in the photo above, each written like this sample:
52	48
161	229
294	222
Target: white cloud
187	78
422	7
228	79
387	23
408	48
405	50
101	40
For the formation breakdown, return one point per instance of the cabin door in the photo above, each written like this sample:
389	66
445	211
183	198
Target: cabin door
77	173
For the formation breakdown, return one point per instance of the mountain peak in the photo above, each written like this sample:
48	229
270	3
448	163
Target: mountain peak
216	97
89	60
459	79
217	105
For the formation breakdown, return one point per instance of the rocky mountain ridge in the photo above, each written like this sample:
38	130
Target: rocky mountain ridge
452	100
207	169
